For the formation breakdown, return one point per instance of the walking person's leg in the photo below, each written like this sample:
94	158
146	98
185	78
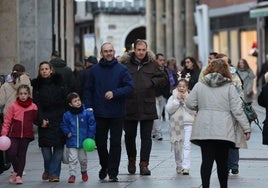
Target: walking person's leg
186	152
82	157
130	129
55	164
73	161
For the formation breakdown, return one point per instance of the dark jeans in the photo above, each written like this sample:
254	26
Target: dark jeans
214	150
233	159
109	160
52	160
130	128
17	154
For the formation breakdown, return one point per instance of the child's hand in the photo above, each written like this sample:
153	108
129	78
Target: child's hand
69	135
45	123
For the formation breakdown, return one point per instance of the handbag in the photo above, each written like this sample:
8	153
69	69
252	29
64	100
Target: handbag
250	113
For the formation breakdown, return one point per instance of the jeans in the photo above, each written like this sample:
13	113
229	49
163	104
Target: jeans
130	128
160	105
233	159
52	160
109	159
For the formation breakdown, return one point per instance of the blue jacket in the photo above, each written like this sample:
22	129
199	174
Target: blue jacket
81	126
108	76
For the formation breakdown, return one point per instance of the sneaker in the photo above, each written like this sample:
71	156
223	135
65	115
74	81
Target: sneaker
84	176
19	180
113	179
54	179
235	171
12	178
102	173
131	165
71	179
178	169
185	172
45	176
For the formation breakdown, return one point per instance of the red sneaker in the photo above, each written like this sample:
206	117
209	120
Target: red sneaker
71	179
84	176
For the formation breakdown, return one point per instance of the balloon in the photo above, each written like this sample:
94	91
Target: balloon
4	143
89	144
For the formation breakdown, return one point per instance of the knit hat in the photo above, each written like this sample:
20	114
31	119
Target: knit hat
91	59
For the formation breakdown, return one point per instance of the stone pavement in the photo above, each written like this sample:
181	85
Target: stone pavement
253	168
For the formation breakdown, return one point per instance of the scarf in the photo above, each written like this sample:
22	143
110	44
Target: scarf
26	103
76	110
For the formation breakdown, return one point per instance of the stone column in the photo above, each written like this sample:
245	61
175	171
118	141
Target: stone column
70	33
169	28
160	33
150	24
190	28
179	38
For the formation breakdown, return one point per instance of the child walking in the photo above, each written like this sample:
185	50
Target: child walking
78	124
181	120
18	126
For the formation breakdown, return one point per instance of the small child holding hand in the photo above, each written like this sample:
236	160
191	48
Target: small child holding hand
78	124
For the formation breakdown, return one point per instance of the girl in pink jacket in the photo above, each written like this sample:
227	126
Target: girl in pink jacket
18	126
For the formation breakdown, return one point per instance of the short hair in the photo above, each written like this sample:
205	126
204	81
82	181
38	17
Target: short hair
55	53
43	63
71	96
266	77
213	53
219	66
140	41
158	54
105	44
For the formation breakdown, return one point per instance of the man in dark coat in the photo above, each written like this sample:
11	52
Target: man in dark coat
107	86
140	105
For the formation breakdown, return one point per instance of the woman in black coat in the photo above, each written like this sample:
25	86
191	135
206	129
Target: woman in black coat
49	95
263	101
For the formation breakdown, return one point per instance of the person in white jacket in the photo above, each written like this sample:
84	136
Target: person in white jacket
181	120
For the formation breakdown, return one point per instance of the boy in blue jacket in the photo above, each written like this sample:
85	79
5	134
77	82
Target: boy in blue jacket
78	124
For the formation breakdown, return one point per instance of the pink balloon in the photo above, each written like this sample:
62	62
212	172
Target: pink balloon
4	143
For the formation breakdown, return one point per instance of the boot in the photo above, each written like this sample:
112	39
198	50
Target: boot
144	169
131	165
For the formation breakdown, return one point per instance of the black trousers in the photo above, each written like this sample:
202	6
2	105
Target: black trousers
109	160
214	150
130	128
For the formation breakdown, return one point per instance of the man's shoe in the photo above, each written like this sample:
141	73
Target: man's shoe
102	173
185	172
113	179
84	176
144	171
131	165
71	179
235	171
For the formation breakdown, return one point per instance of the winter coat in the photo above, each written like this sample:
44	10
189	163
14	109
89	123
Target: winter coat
263	101
81	126
49	95
108	76
18	121
163	91
60	67
180	115
217	103
247	77
8	91
140	105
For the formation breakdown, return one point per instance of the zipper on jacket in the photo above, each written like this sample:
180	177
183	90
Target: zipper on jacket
77	131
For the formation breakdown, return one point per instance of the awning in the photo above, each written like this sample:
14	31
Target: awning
258	12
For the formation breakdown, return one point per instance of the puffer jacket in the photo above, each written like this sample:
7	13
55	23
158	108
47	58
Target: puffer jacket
18	122
140	105
8	91
81	126
49	95
217	103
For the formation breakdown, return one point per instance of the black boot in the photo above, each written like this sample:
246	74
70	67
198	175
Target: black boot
144	169
131	165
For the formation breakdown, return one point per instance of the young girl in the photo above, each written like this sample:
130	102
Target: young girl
49	94
18	126
78	124
181	120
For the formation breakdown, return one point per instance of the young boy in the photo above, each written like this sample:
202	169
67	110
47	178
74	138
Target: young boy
78	124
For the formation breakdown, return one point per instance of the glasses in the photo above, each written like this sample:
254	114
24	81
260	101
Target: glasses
107	51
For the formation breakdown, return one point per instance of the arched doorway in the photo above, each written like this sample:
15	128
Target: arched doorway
137	33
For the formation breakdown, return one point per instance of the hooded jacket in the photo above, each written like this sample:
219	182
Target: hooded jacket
217	102
147	77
